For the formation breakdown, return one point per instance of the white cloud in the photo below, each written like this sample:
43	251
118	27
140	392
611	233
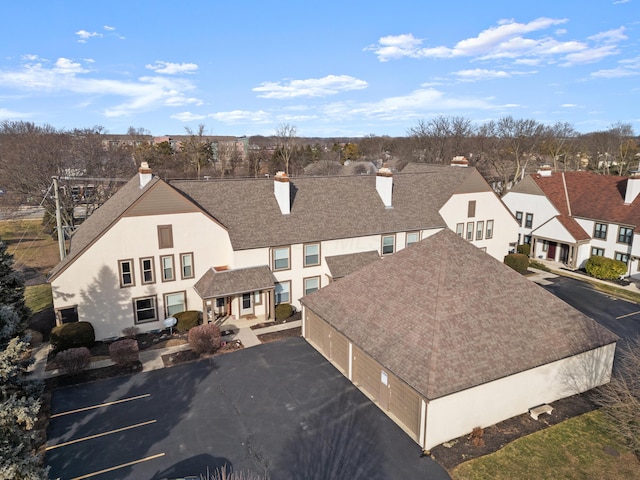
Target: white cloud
626	68
481	74
312	87
188	116
170	68
84	35
108	28
235	116
10	114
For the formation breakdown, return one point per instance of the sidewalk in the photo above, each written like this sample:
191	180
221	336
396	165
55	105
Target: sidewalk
151	358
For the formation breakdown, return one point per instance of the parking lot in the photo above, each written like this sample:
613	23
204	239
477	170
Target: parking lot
278	410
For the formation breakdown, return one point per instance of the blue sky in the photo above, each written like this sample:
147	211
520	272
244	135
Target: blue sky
331	68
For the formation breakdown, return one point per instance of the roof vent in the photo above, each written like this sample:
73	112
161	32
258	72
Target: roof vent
282	193
384	185
144	172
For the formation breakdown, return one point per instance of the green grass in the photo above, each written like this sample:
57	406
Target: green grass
574	449
38	297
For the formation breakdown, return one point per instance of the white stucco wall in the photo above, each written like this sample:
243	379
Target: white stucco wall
488	207
458	414
539	205
92	281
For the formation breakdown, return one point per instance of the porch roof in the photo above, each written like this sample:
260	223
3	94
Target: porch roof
223	283
343	265
562	228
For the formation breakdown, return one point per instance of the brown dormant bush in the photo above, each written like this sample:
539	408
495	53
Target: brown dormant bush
205	338
73	360
124	352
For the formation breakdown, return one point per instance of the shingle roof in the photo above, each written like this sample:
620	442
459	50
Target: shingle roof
342	265
232	282
593	196
324	208
98	223
443	316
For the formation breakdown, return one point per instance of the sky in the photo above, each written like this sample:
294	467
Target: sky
345	68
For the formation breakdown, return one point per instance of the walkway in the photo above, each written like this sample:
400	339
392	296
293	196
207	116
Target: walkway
151	359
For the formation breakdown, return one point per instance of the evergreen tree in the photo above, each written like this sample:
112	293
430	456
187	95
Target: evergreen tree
11	285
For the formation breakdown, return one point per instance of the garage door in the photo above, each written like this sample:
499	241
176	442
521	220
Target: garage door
329	342
405	405
366	373
339	350
318	333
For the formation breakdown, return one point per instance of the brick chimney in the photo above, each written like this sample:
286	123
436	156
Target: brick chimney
282	193
144	172
633	188
384	185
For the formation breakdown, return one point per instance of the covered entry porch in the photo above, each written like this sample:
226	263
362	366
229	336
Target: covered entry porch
560	240
238	293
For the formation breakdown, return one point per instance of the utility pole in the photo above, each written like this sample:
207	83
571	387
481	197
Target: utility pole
61	246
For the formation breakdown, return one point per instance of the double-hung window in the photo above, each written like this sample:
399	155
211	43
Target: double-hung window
528	221
519	218
144	309
280	258
146	266
489	233
470	231
283	292
625	235
600	231
596	251
126	273
174	303
412	237
186	265
479	230
168	273
311	254
311	284
388	244
460	229
622	257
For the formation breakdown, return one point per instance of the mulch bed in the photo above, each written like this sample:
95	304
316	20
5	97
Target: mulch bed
292	318
184	356
274	336
450	454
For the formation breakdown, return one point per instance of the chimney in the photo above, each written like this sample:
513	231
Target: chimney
384	185
281	191
144	173
545	170
459	161
633	188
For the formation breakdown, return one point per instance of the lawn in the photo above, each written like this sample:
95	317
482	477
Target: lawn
38	297
31	246
579	448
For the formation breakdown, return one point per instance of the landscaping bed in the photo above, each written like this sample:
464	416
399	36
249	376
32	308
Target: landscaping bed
292	318
275	336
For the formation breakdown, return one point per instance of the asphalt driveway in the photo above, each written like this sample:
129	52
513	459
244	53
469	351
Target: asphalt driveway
278	409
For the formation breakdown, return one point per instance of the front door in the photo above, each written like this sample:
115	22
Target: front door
246	307
551	251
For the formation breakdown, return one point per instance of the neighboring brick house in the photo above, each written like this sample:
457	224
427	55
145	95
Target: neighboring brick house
441	346
569	216
238	247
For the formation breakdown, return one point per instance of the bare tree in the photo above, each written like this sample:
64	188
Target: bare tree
520	138
441	138
557	143
197	149
286	142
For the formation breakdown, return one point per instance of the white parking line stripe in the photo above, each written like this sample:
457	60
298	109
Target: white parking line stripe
71	442
111	469
100	405
627	315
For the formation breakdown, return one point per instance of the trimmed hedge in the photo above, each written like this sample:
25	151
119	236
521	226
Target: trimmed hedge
518	261
205	338
283	310
124	352
525	249
605	268
186	320
72	335
73	360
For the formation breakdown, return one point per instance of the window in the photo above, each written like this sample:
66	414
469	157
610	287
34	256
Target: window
167	268
146	266
388	244
470	231
519	218
186	265
460	229
165	236
283	292
412	237
471	209
144	309
600	231
257	298
220	302
528	222
625	235
174	303
311	285
479	230
489	233
246	301
623	257
312	254
126	273
527	239
595	251
280	258
545	246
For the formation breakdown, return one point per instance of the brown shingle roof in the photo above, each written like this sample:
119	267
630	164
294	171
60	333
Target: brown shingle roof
232	282
593	196
342	265
443	316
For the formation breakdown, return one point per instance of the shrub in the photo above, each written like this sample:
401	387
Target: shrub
72	335
34	337
605	268
124	352
518	261
73	360
186	320
205	338
130	332
283	310
524	249
477	435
